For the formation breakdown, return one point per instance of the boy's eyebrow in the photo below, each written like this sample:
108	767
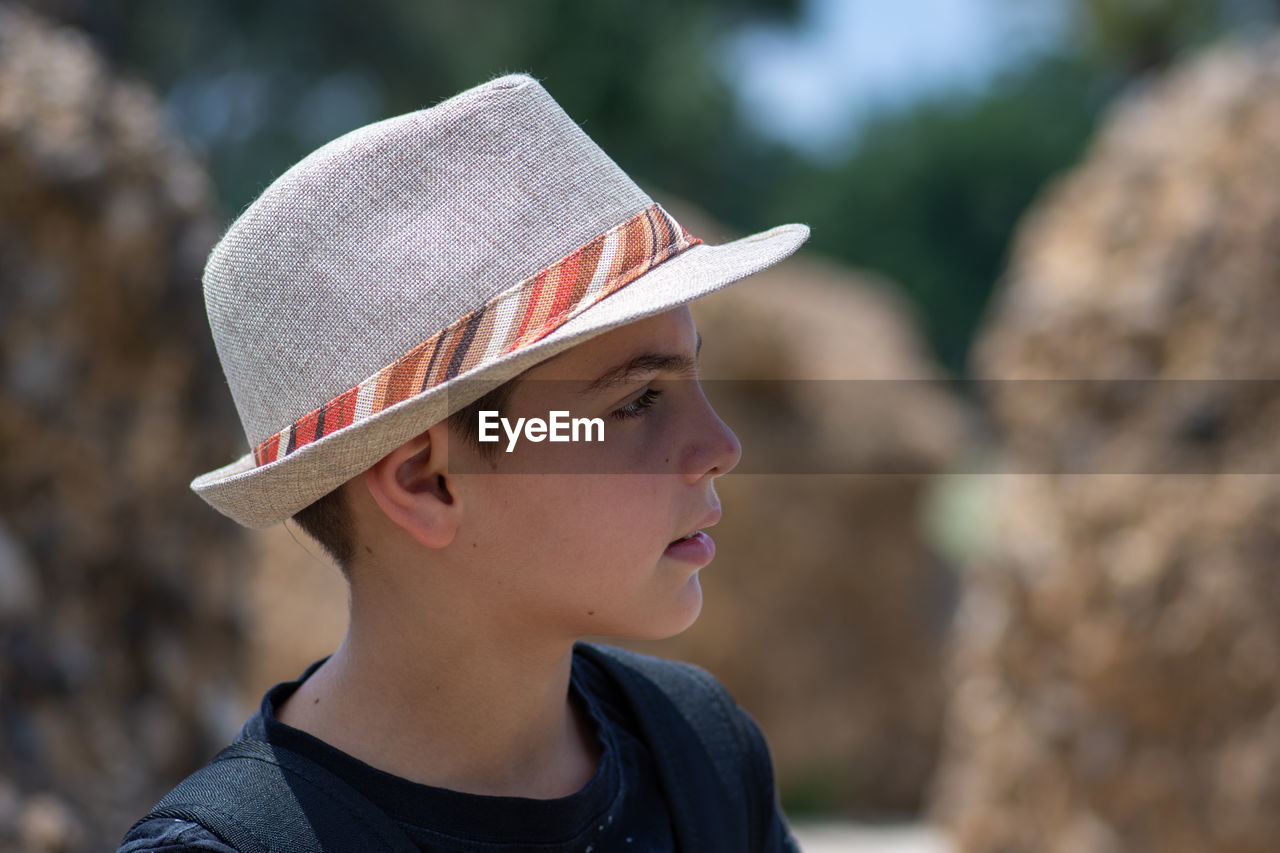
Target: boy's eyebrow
649	362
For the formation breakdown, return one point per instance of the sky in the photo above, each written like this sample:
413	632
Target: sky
811	86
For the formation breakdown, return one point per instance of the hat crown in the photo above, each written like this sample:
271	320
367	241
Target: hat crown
386	235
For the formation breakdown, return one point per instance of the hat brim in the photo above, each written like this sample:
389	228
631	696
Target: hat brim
260	496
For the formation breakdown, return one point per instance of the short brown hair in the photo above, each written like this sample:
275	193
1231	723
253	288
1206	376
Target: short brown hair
328	520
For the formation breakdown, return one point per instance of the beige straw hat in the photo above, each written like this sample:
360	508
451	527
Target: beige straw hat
401	271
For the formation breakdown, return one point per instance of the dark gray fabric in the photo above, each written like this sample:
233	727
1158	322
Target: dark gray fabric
709	814
739	779
170	835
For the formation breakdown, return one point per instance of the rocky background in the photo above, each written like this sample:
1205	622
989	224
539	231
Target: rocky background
1117	669
825	609
1110	684
119	624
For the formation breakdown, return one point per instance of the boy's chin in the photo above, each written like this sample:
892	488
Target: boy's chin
676	618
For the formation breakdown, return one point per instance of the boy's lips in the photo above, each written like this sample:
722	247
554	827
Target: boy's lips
698	549
708	520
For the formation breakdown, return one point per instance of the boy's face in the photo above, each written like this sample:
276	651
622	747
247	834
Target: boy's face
577	537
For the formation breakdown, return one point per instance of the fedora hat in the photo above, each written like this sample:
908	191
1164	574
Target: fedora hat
400	272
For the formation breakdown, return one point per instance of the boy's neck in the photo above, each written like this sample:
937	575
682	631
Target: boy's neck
459	712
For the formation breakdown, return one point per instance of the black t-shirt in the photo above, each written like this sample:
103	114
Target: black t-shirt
621	808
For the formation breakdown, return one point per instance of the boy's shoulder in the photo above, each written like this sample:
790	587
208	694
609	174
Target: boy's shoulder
711	760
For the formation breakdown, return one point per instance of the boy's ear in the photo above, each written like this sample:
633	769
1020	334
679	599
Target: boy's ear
410	487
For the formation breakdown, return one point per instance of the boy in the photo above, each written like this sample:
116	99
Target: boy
481	256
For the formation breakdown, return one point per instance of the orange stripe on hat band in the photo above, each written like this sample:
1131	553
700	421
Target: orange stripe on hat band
544	301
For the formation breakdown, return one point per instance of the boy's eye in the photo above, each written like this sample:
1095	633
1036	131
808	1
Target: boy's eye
636	407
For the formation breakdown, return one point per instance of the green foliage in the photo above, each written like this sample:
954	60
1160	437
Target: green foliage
818	789
1141	35
249	78
930	196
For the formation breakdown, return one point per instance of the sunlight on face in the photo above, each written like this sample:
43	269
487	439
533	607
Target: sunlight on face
579	535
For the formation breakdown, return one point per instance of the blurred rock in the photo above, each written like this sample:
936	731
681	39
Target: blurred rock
47	825
17	578
119	639
1117	673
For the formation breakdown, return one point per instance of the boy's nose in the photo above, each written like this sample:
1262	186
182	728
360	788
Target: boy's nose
716	450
